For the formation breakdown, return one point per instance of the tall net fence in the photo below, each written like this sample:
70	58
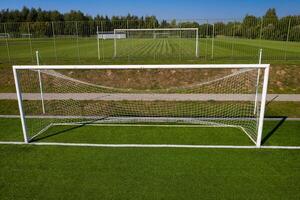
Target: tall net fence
219	40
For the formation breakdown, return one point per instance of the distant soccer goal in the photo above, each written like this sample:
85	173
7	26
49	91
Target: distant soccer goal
26	35
157	42
4	35
219	96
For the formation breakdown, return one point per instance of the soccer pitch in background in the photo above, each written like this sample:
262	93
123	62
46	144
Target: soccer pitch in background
71	50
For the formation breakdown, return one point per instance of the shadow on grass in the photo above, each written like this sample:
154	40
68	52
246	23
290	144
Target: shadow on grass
281	120
63	131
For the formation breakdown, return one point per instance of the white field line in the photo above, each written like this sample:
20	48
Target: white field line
147	145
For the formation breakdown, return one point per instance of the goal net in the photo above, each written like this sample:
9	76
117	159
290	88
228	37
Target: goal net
157	42
230	95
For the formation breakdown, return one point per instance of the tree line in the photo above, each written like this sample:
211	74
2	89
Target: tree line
269	26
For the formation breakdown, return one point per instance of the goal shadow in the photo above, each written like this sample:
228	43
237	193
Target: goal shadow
270	133
65	130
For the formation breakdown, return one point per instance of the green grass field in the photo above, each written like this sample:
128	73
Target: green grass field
56	172
69	50
52	172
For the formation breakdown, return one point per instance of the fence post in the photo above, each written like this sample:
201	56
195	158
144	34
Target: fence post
102	45
197	40
98	42
180	42
54	42
29	38
287	39
6	41
77	42
212	42
260	33
130	46
233	35
206	39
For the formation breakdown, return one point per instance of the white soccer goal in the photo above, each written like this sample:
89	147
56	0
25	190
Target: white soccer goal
156	41
213	95
4	35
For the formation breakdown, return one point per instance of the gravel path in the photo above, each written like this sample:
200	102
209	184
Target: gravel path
149	97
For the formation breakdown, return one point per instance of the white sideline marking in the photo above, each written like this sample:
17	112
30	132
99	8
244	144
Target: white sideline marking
147	145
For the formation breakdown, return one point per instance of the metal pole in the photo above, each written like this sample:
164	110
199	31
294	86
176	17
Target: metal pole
180	42
115	44
287	39
29	38
260	34
197	38
206	39
40	81
257	83
6	40
37	58
54	42
131	45
98	43
232	44
19	96
262	106
212	42
102	41
260	56
77	42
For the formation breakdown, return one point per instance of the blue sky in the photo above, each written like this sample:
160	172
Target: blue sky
164	9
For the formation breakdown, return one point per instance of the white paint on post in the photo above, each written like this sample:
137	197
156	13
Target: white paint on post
22	116
37	58
262	106
40	81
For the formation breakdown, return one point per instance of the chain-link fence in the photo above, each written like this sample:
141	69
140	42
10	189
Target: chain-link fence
88	42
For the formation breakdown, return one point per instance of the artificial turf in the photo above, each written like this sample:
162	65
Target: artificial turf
53	172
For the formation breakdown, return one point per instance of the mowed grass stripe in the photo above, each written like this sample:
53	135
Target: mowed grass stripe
141	45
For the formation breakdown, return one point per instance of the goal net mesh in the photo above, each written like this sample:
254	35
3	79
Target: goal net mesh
204	97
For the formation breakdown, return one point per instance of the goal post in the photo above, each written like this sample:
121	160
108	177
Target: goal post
208	95
155	33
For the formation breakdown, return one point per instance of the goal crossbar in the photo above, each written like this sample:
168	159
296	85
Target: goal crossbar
126	67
